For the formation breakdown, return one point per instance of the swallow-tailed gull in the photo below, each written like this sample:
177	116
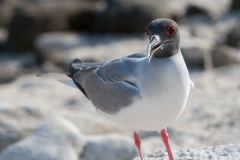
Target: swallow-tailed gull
143	91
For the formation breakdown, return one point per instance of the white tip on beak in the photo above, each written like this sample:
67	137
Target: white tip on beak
155	42
150	53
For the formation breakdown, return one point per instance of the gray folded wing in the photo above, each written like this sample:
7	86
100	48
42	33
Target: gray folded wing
110	86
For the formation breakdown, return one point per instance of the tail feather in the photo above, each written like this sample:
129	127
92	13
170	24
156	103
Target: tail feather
67	79
61	77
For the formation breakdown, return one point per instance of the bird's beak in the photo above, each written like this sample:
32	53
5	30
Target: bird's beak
155	42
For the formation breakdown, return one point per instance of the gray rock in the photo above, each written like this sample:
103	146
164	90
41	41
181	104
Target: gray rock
233	37
212	32
207	153
33	18
194	57
131	16
201	37
214	9
196	53
56	139
225	55
17	122
9	70
12	66
235	5
54	47
112	147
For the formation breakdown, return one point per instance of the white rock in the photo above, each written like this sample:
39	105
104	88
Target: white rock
225	152
56	139
17	121
112	147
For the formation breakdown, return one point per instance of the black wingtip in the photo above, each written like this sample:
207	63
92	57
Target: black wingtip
72	70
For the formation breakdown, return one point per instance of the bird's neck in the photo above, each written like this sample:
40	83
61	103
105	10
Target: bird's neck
166	53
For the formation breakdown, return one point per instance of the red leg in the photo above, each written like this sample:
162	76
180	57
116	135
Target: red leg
138	144
164	135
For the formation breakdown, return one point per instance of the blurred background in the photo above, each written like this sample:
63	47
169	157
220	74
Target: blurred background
38	36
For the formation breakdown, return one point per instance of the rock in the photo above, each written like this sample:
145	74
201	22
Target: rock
17	122
188	8
227	24
194	10
86	16
233	37
72	106
31	19
94	126
9	71
213	9
109	147
196	52
235	5
219	152
12	66
193	56
55	139
199	38
224	55
214	32
131	16
54	47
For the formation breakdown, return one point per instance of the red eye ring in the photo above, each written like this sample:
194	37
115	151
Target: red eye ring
171	30
146	30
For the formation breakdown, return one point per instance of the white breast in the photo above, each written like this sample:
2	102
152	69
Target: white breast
165	87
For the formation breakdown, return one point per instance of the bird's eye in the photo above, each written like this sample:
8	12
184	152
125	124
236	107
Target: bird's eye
171	30
146	30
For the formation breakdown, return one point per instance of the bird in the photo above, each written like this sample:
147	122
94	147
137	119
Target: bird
141	91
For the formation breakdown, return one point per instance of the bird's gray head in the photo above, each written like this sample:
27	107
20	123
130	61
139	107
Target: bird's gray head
164	38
